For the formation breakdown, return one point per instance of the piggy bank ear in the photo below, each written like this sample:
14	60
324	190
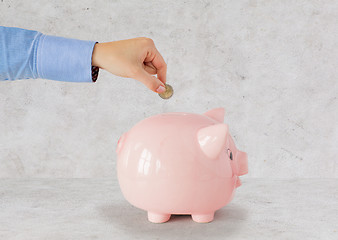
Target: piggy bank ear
216	114
212	139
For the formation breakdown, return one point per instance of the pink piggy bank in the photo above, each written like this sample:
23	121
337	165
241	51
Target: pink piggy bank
180	163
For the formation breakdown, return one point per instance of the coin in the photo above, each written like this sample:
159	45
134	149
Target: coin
169	91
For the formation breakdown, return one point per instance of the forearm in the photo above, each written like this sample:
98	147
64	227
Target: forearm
18	50
30	54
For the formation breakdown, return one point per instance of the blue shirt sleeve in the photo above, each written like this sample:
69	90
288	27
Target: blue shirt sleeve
31	54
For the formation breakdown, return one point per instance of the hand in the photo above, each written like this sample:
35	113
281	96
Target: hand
135	58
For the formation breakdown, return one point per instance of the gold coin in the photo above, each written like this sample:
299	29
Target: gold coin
169	91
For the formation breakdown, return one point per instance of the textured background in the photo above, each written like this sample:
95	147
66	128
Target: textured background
273	65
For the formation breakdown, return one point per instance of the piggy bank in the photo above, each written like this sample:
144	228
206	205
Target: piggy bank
180	163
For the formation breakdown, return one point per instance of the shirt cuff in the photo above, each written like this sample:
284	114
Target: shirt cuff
64	59
95	73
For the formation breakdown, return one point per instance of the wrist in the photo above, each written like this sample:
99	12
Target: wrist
96	55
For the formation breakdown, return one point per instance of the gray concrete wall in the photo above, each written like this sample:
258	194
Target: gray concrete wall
272	65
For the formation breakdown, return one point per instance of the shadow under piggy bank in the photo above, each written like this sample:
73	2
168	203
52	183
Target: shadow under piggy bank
132	222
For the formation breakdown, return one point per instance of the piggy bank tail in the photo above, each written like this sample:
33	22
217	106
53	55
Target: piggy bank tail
120	143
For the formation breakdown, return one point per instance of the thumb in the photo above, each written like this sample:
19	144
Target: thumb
150	81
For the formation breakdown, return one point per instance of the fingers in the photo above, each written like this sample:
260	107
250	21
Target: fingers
151	82
155	58
159	63
149	67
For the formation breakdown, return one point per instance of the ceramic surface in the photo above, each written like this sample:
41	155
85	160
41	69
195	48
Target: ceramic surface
180	163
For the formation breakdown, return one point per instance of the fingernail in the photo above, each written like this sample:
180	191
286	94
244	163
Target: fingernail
160	89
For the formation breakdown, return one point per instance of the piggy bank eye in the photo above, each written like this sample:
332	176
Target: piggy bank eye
230	154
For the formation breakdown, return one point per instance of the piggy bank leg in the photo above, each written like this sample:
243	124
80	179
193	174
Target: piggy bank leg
203	218
158	217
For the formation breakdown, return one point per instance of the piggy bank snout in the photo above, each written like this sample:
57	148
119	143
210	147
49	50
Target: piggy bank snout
242	163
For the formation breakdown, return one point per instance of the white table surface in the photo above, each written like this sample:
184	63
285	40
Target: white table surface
95	209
